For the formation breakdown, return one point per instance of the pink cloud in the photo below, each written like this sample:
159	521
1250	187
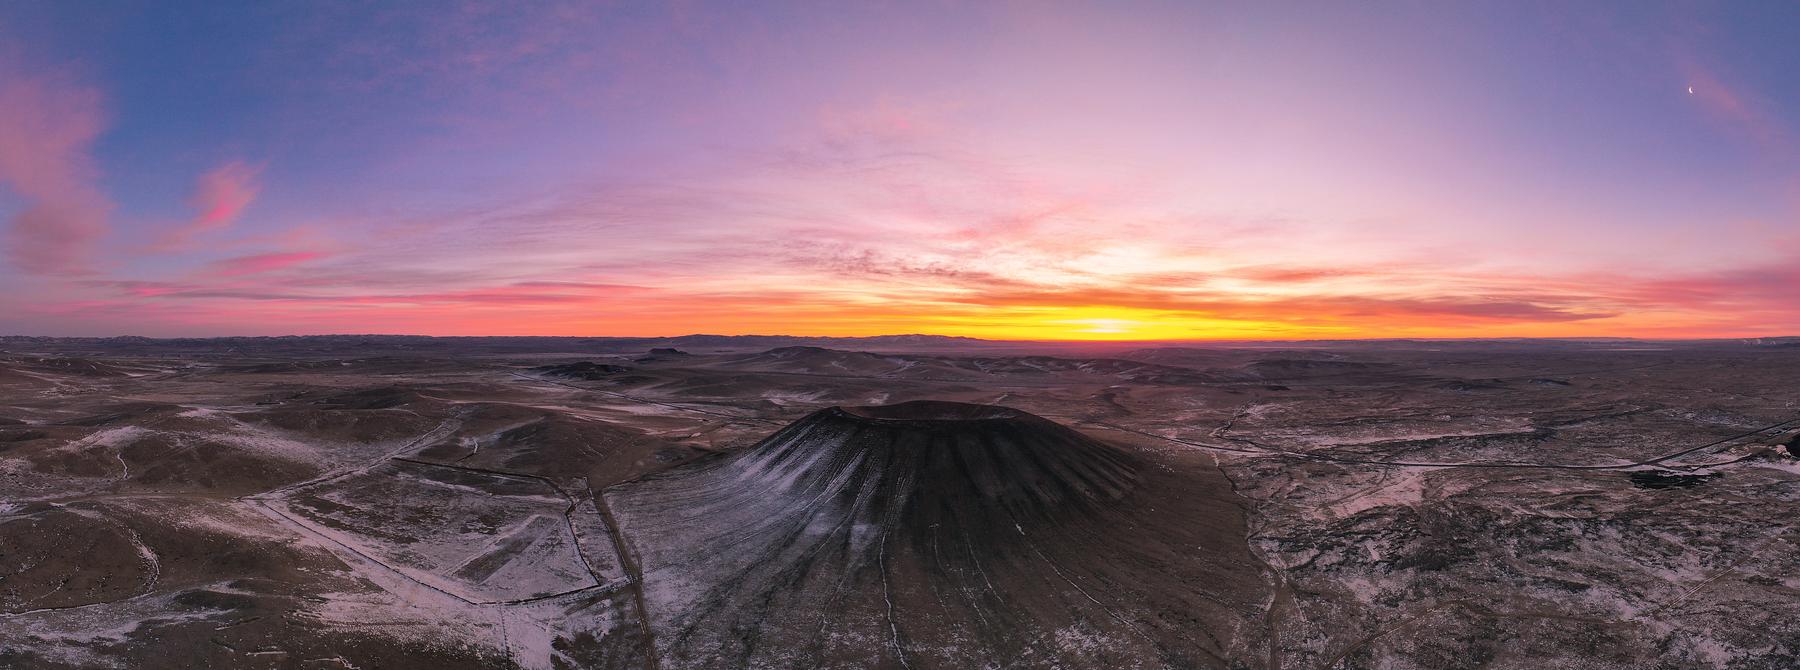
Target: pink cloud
223	193
220	196
260	263
47	125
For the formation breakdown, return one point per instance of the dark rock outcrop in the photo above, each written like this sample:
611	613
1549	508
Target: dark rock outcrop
1668	480
587	370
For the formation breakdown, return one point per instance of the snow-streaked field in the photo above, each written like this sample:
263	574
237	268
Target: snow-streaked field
1375	505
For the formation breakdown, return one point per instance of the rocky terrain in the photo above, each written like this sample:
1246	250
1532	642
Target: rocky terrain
915	502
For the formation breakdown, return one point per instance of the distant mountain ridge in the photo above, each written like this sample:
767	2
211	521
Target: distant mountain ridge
499	344
375	344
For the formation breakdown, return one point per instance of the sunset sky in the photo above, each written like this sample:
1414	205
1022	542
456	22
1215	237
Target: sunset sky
1182	170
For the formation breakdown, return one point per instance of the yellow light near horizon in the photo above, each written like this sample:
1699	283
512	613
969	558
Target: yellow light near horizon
1099	323
1105	324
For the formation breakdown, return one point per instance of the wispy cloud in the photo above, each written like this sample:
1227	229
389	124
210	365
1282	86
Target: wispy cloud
261	263
219	198
48	124
729	258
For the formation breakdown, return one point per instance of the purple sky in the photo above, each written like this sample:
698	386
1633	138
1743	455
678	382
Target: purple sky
1106	170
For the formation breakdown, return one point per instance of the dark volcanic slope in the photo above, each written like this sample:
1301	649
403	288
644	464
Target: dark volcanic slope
932	534
919	464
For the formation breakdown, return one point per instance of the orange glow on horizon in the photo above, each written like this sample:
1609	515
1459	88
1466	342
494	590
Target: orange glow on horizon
497	314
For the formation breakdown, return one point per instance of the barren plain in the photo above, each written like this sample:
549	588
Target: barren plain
907	502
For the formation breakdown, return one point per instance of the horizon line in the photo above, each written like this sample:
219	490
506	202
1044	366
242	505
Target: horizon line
1584	338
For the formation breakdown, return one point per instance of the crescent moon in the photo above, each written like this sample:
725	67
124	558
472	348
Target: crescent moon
1690	90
